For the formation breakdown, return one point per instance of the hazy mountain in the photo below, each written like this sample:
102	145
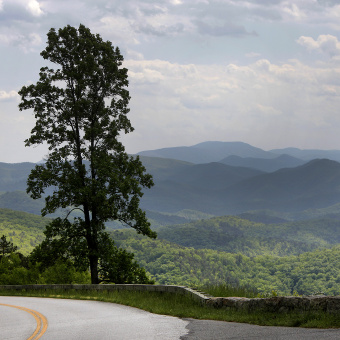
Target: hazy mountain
13	176
309	154
207	152
162	168
20	201
233	148
212	176
196	187
263	164
215	188
312	185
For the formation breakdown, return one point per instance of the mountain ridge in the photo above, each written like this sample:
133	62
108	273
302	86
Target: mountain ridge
215	151
312	185
216	188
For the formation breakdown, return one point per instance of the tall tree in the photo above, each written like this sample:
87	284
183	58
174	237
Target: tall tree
80	109
6	247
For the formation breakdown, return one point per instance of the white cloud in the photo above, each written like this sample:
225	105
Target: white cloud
191	101
268	110
26	42
196	71
226	29
11	95
253	55
293	10
33	7
116	29
327	44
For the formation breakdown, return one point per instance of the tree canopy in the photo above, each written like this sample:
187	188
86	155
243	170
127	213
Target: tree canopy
81	109
6	247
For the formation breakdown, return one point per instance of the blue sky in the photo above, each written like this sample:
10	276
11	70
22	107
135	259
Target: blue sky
266	72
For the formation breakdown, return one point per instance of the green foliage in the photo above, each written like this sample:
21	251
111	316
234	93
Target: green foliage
168	263
69	252
23	229
28	220
6	247
14	271
236	235
117	265
63	272
227	290
158	219
62	259
80	110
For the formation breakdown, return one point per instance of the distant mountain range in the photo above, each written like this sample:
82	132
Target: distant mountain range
14	176
264	164
218	178
207	152
232	190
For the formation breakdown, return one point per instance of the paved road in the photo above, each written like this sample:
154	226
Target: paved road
89	320
85	320
219	330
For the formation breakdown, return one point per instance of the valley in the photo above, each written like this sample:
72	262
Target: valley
224	213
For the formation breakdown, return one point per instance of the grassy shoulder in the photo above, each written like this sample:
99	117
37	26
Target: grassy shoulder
185	307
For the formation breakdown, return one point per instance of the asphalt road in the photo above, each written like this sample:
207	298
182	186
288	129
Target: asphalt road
219	330
34	318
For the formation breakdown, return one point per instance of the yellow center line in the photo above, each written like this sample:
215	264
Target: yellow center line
40	319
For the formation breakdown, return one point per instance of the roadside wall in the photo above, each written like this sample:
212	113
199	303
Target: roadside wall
279	304
196	295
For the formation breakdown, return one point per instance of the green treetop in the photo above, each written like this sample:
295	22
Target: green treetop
6	247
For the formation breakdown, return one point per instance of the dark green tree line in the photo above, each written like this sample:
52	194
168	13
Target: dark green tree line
6	247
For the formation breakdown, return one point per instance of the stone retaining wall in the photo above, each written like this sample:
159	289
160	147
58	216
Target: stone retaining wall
196	295
278	304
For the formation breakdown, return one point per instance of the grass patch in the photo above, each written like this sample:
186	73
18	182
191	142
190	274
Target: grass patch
185	307
227	290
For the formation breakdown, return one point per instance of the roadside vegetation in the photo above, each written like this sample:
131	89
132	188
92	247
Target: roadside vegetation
168	263
185	307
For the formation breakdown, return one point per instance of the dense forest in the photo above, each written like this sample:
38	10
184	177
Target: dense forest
23	229
238	235
169	263
298	257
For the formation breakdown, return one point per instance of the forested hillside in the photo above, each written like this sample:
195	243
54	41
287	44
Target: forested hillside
236	235
168	263
23	229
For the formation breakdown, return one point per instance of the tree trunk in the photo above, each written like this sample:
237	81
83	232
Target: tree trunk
94	269
92	244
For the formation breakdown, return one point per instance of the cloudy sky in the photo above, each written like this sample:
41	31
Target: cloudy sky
265	72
